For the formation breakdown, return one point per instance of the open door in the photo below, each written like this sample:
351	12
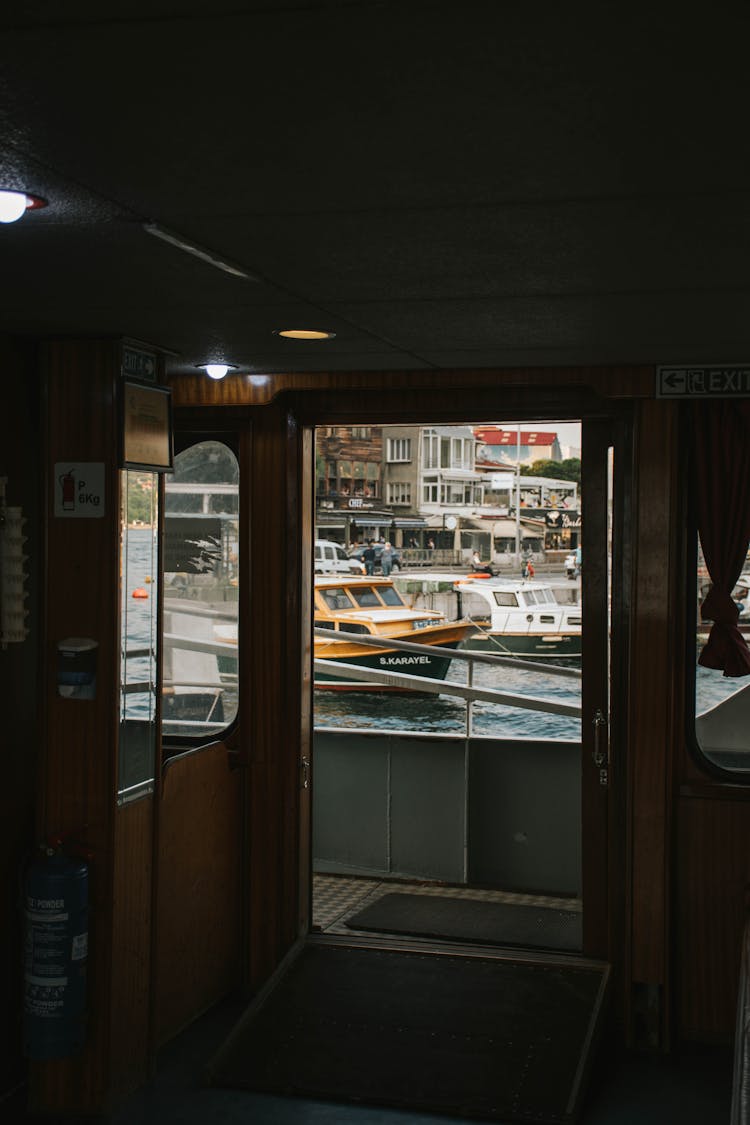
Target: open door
596	765
466	1027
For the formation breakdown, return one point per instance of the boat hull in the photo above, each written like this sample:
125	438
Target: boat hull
533	646
432	662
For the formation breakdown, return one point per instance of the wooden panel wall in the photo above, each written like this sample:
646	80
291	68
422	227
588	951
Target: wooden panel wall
130	1005
652	668
713	846
78	785
272	632
199	887
20	452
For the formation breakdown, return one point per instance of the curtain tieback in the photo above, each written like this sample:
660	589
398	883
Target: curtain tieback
720	608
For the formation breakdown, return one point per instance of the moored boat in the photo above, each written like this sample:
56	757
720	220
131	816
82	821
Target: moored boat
520	618
373	607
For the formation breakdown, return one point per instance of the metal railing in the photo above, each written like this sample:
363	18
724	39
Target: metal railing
424	684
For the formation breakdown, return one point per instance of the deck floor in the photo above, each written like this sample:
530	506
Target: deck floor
692	1087
336	898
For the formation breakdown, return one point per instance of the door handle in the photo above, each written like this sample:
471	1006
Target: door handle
599	723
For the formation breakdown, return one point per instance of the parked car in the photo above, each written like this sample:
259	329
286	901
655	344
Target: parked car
331	558
358	553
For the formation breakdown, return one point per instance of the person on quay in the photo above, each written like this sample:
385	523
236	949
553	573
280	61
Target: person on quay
368	557
386	559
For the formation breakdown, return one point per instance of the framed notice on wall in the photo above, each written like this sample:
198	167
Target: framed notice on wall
146	427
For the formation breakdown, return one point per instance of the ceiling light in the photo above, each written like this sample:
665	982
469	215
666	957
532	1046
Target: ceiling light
15	204
304	334
197	251
217	370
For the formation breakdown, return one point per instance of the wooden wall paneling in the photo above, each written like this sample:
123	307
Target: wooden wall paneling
77	791
197	959
259	389
273	645
650	720
713	845
130	1007
20	452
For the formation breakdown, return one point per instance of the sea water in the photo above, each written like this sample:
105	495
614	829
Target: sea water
429	713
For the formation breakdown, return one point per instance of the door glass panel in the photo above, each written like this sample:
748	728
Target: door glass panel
138	635
201	587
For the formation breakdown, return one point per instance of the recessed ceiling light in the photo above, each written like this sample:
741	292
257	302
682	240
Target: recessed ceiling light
217	370
304	334
15	204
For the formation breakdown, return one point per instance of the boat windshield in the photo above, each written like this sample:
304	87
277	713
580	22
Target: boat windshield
365	596
389	595
336	597
377	595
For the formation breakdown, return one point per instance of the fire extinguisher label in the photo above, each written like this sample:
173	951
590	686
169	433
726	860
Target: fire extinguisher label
79	489
80	947
45	999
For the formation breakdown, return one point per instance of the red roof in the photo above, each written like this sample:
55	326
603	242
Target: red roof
495	436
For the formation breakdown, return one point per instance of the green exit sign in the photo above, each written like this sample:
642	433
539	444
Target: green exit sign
138	364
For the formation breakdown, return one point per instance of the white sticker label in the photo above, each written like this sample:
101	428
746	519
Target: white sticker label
80	947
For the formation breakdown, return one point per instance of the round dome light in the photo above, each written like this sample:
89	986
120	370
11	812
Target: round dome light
15	204
217	370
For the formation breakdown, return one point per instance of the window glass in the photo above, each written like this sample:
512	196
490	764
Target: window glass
336	597
365	596
390	595
504	597
139	632
722	703
201	579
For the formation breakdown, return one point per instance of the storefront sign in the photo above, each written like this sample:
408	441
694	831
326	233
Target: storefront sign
716	381
557	519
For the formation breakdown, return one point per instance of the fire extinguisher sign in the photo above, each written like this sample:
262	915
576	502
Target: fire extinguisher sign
78	488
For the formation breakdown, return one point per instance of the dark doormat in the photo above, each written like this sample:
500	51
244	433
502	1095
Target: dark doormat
471	1035
461	919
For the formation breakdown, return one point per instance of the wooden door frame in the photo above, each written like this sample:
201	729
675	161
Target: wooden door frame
609	422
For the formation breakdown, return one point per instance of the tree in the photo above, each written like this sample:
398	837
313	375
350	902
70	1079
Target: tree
570	469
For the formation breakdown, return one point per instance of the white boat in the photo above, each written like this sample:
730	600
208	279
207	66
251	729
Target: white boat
519	618
723	731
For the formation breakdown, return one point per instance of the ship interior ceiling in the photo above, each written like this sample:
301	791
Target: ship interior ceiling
218	895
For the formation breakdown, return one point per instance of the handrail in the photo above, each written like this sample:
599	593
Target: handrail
445	687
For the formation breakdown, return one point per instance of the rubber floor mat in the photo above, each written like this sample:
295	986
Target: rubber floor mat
461	919
472	1036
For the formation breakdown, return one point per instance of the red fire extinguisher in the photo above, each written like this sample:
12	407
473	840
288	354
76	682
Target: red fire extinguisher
56	951
68	486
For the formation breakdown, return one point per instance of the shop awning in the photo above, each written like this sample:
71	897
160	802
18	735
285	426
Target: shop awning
409	524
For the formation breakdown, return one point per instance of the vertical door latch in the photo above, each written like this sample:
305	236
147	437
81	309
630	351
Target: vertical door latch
304	769
600	753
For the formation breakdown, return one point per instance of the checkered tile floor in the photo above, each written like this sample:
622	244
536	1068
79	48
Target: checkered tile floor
337	897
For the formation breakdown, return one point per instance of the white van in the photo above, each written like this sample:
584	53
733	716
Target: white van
331	558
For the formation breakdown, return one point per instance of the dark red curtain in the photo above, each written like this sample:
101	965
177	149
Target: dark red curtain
722	482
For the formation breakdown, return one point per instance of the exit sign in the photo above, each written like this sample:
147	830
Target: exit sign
715	381
138	364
